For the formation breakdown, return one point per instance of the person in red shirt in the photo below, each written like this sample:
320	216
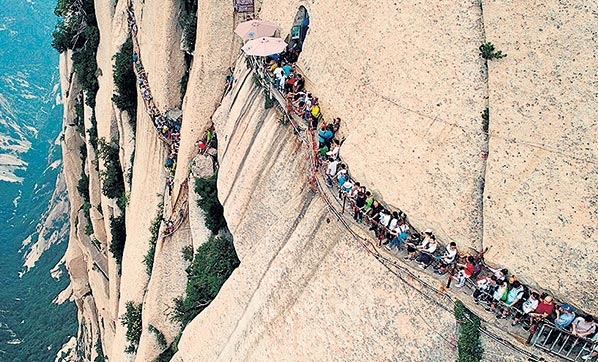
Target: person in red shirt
542	311
466	271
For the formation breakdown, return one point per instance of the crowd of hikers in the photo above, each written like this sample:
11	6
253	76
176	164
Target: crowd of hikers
167	127
498	291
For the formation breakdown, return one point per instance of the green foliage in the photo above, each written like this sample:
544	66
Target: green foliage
77	30
92	132
83	189
486	120
122	201
63	35
100	353
129	174
132	320
213	210
62	8
188	22
88	226
213	263
83	186
188	253
167	355
125	81
113	184
85	65
469	343
154	229
269	101
79	119
76	16
160	338
488	52
119	236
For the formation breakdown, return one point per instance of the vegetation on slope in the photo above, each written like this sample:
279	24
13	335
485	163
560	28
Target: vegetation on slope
214	262
100	357
83	189
188	22
154	229
119	237
125	80
77	30
469	343
113	184
488	52
132	320
209	203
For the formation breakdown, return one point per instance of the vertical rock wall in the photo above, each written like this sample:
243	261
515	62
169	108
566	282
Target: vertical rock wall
541	206
302	280
407	81
215	51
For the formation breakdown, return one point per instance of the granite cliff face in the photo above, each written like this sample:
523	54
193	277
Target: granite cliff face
408	82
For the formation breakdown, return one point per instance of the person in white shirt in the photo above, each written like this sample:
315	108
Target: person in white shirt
527	307
331	170
583	326
282	80
425	257
334	149
450	254
278	74
384	218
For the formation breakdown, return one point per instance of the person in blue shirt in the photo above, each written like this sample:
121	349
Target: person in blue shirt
513	297
564	316
287	70
324	136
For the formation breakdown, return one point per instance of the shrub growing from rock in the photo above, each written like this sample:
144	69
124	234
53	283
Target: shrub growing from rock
209	203
188	22
213	263
125	81
78	30
469	343
119	236
488	52
154	229
113	185
132	320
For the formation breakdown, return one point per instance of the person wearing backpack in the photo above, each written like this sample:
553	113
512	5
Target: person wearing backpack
514	296
485	287
499	295
530	305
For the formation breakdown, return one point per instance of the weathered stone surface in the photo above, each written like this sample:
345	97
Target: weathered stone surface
541	204
410	87
215	51
303	281
202	166
168	282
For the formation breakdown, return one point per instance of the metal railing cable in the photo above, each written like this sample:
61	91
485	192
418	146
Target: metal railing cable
307	137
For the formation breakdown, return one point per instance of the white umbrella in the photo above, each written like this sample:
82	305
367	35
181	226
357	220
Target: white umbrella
264	46
254	29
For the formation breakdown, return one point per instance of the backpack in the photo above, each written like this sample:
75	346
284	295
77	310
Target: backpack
402	236
526	292
477	268
505	294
